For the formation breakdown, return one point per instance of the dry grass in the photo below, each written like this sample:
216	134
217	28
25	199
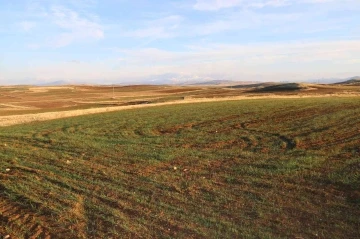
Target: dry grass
17	99
26	104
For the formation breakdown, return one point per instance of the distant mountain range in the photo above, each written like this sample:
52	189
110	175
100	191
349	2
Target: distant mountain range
184	79
226	82
352	81
331	80
61	82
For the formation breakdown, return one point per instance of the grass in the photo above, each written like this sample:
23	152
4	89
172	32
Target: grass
241	169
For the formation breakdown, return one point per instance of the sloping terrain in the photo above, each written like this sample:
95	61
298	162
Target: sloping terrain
20	100
282	87
353	81
266	168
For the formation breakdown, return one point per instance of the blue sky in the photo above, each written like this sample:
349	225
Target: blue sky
118	41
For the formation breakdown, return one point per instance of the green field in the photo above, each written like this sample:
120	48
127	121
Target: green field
274	168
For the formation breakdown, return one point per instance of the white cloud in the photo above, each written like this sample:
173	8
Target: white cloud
214	5
159	28
61	26
313	16
298	21
243	19
265	53
75	27
27	25
33	46
82	3
275	61
157	32
266	61
74	22
270	3
177	26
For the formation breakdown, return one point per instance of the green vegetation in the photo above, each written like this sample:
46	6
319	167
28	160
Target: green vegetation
269	168
281	87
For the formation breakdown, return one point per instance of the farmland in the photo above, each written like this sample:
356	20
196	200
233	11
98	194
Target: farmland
21	100
280	168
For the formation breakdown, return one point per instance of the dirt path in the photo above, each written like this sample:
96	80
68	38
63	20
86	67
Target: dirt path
26	118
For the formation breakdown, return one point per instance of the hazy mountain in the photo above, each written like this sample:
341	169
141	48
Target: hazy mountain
60	83
351	81
324	81
226	82
331	80
173	79
186	79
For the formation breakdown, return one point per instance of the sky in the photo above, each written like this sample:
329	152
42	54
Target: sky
123	41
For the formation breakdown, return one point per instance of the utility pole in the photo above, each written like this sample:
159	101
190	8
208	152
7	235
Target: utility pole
113	92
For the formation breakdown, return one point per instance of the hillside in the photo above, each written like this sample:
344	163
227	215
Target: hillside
352	81
280	168
286	87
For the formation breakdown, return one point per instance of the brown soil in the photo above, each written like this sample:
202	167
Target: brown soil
26	104
26	118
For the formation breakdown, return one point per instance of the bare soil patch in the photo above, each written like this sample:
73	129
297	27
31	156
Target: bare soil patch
27	118
26	104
